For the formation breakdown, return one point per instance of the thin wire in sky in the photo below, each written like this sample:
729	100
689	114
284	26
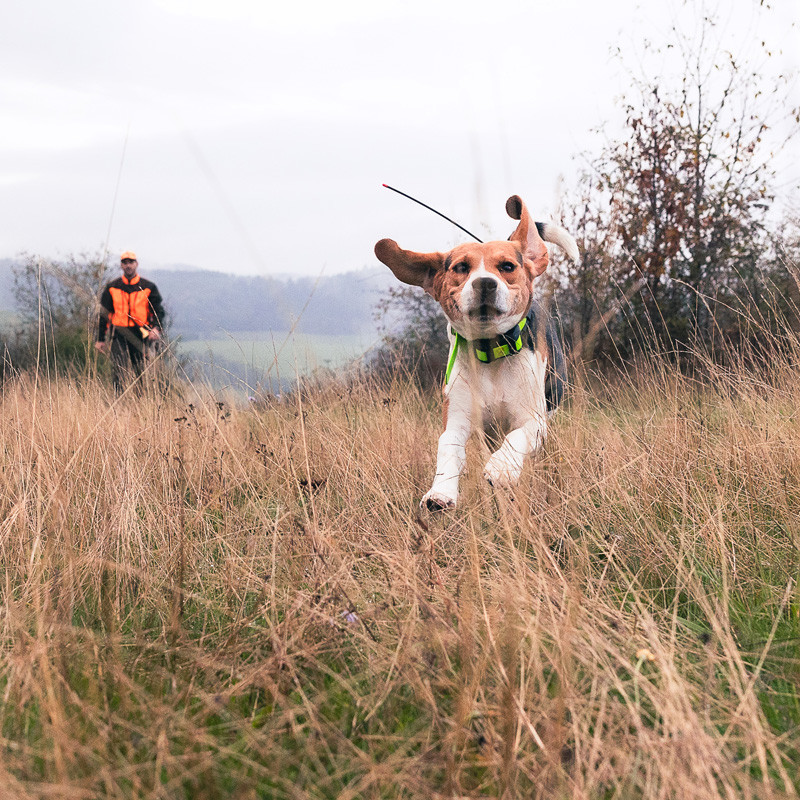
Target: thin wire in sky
116	192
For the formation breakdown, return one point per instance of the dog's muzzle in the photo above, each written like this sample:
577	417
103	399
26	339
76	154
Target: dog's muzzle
484	297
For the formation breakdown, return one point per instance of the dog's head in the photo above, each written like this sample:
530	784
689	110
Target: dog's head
484	289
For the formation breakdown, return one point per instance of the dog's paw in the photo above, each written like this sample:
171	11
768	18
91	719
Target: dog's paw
437	501
503	471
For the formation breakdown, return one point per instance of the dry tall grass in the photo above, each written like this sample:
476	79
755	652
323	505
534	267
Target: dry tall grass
205	601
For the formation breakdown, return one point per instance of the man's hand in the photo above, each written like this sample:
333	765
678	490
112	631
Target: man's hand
101	346
154	335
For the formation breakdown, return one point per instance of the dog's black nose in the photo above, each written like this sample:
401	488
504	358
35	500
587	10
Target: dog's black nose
485	287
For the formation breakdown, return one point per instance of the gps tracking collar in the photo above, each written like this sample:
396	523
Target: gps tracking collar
488	350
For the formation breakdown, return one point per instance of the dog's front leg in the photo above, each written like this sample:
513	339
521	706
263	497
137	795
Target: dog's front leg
504	468
450	458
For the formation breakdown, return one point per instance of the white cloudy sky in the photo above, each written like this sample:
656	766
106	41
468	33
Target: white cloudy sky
254	136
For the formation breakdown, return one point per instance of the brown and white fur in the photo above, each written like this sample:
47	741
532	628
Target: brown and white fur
485	289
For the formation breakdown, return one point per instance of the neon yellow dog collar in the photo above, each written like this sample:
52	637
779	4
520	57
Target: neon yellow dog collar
488	350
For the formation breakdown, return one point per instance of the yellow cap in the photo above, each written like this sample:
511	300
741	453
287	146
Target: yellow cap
128	254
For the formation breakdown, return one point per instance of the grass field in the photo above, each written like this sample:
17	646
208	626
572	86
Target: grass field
201	601
246	360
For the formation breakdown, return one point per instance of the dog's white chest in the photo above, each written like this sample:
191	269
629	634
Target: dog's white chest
507	391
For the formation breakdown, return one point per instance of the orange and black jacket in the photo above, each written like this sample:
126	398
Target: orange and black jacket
133	304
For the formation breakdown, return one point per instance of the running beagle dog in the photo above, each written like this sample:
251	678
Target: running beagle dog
506	368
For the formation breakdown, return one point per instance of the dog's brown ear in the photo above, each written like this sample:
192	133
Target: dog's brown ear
527	235
416	269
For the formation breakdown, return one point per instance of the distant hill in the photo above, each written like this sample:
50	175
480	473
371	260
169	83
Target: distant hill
201	303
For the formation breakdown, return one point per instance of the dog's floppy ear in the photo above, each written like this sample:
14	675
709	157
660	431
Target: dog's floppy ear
527	235
416	269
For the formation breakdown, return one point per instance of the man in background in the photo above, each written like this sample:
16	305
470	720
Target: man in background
131	321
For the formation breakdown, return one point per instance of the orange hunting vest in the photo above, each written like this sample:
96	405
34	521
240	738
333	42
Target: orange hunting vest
130	308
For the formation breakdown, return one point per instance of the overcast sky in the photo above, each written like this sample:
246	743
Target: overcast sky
254	137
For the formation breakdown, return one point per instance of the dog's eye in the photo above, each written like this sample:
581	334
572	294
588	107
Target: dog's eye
461	268
506	266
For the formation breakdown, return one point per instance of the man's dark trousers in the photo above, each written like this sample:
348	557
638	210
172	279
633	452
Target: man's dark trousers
127	357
